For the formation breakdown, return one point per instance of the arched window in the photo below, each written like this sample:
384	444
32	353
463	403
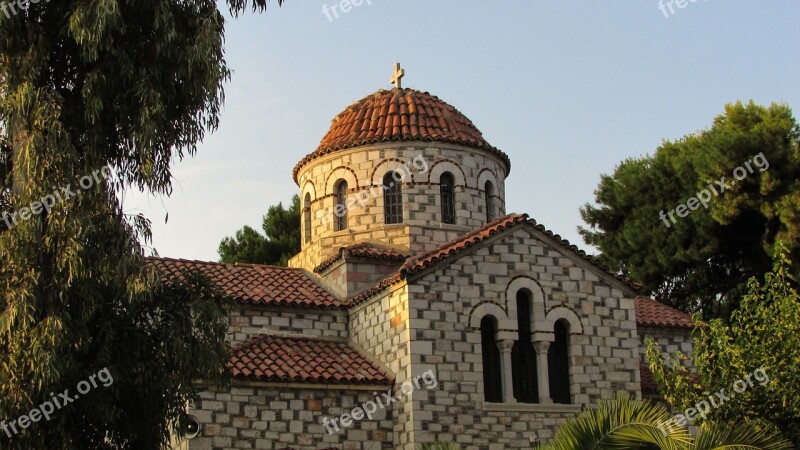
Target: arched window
307	219
393	198
523	360
492	388
488	192
340	210
558	364
448	197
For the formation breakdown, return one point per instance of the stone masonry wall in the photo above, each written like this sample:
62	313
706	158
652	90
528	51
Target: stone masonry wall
364	167
671	340
276	417
604	359
248	321
348	278
379	328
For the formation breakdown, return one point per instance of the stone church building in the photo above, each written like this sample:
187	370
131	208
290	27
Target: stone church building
419	309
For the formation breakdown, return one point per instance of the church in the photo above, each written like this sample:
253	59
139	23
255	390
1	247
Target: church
419	310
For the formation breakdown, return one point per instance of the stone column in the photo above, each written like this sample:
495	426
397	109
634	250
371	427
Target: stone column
542	371
508	381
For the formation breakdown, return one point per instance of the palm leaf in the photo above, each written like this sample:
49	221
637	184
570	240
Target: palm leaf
739	436
621	423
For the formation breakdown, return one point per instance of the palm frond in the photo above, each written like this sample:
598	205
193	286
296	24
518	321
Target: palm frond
621	423
739	436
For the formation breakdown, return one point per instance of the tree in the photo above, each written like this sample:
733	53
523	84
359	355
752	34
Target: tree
755	359
96	98
280	242
651	222
622	423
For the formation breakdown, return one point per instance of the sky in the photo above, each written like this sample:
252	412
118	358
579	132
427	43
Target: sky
568	89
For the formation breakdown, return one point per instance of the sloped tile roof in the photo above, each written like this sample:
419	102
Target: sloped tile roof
303	360
364	250
478	235
652	313
256	284
458	244
379	287
399	115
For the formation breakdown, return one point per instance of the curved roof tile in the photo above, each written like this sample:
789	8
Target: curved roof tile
399	115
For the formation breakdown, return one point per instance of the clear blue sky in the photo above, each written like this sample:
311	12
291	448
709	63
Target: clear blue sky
568	89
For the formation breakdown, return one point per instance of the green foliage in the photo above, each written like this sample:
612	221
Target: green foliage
764	333
628	424
282	240
440	446
132	86
702	261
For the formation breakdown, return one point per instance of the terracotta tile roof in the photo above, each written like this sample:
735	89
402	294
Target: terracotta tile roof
458	244
455	246
652	313
304	360
256	284
399	115
364	250
380	286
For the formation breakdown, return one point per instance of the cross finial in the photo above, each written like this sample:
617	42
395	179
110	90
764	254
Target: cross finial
397	78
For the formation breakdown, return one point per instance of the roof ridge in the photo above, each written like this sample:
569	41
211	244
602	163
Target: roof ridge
220	263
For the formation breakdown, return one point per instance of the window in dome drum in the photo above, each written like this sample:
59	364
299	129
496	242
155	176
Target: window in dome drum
307	219
393	198
448	196
341	205
488	193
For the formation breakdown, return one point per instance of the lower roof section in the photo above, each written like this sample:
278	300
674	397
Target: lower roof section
303	360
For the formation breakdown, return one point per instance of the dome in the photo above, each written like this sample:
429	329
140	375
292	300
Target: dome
399	115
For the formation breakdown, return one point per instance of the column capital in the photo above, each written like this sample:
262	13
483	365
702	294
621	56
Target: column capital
541	347
505	345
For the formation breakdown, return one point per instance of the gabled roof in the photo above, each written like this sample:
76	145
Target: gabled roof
304	360
364	250
456	246
256	284
652	313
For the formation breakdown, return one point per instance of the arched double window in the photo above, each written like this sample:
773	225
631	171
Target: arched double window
448	198
340	210
393	198
492	381
488	193
307	219
523	359
558	364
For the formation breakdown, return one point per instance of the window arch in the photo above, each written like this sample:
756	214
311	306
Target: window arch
307	219
448	197
393	198
523	362
340	209
492	387
558	364
488	193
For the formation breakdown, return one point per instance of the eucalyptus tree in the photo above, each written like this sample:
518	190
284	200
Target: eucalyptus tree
98	97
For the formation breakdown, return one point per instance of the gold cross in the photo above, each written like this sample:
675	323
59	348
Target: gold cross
396	79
